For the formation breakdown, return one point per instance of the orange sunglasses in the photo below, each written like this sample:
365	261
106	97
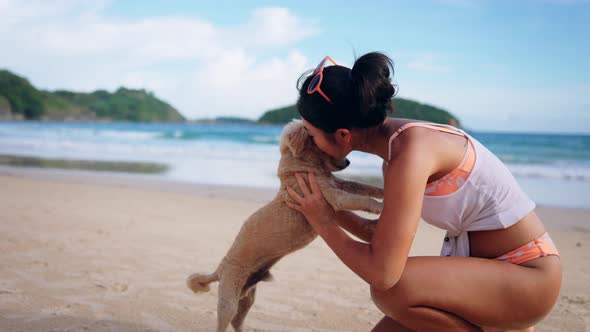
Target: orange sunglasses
316	81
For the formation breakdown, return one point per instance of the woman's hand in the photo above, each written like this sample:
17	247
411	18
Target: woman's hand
312	204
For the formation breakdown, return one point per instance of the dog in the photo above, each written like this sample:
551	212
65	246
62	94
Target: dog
275	230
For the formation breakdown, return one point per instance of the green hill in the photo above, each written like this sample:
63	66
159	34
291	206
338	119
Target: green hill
404	108
23	98
280	115
121	105
409	109
4	107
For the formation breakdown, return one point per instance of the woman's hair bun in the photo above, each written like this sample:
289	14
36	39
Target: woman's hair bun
371	77
360	97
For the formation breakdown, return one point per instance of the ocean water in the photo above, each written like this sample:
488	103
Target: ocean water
553	169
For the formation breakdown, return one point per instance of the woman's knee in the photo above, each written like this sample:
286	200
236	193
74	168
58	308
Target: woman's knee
378	298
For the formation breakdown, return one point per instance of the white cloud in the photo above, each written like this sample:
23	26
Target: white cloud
199	67
274	27
238	83
509	108
427	62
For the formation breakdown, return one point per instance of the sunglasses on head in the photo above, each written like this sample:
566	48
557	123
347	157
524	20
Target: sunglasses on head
318	76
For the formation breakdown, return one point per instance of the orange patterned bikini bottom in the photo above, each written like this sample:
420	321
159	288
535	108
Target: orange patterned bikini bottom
540	247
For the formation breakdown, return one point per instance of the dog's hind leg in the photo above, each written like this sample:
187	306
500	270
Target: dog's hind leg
243	307
227	305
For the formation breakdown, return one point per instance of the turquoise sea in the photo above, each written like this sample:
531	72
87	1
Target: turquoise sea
553	169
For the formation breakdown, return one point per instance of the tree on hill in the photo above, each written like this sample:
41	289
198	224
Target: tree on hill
409	109
122	105
125	104
403	108
280	115
21	95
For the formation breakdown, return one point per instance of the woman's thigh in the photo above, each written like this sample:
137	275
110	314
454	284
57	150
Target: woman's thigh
484	292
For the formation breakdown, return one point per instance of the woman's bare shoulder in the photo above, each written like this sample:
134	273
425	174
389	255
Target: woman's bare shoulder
413	139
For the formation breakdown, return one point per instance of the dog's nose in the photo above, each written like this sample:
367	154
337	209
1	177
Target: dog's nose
347	161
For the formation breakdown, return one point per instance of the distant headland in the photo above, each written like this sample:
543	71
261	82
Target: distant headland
20	100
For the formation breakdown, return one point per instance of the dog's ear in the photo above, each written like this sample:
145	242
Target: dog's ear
294	138
298	141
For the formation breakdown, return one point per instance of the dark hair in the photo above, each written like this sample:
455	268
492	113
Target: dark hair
361	97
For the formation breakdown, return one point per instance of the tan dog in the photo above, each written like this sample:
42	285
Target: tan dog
276	230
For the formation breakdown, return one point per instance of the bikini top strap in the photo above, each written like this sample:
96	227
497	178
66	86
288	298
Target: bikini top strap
436	126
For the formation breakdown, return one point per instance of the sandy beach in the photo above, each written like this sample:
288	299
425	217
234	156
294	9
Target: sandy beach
83	252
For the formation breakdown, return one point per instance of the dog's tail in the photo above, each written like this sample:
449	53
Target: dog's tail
199	283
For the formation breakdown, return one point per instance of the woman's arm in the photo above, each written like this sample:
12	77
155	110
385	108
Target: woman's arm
360	227
380	262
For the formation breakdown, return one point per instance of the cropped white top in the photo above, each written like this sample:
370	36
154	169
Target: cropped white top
490	198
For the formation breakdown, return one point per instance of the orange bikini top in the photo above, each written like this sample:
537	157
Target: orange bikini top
452	181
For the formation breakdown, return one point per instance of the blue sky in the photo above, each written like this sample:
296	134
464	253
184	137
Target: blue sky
497	65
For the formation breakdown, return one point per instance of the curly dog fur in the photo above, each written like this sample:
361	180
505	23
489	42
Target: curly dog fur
276	230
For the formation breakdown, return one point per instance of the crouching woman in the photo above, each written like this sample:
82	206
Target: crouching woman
498	270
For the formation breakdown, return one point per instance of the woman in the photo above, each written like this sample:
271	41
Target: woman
498	269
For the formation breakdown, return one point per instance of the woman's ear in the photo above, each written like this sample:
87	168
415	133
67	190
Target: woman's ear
342	135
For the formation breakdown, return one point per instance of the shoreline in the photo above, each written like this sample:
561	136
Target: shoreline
139	180
131	167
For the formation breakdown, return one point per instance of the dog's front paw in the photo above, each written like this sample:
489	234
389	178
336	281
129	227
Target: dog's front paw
375	207
377	193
